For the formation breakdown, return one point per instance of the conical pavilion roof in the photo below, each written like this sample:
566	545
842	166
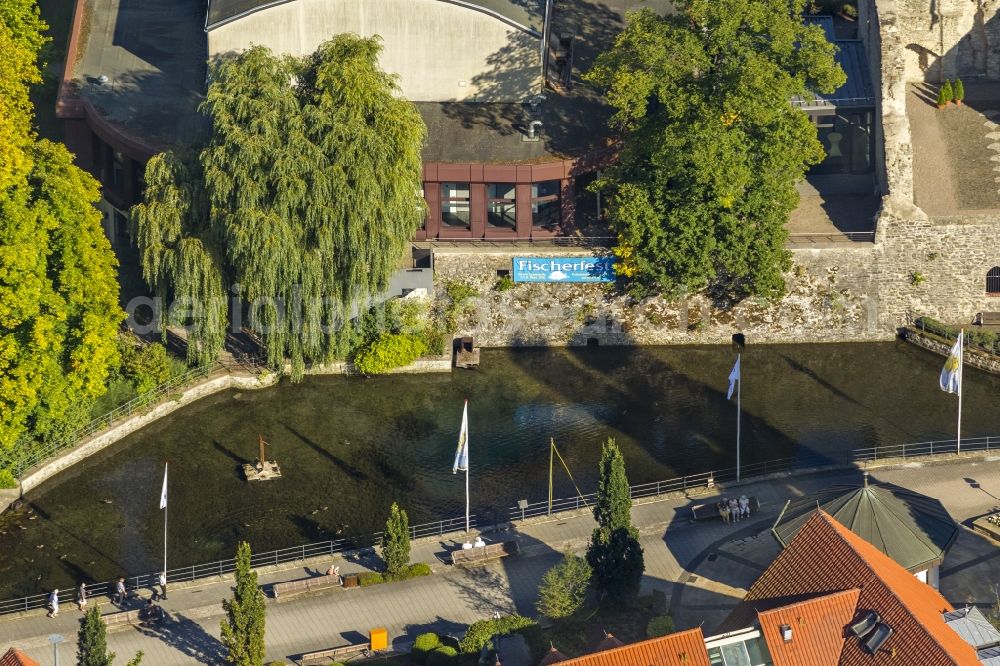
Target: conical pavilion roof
912	529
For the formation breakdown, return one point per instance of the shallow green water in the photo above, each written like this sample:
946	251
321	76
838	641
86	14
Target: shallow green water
348	447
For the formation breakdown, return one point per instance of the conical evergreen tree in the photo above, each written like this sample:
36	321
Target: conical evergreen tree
613	505
396	541
243	628
614	552
92	640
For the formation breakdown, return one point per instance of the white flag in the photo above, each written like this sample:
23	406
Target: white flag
462	455
951	373
734	377
163	494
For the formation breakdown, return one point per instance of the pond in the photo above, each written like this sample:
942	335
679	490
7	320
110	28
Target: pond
349	447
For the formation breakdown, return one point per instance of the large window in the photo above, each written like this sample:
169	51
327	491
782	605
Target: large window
501	207
545	205
846	139
455	205
745	649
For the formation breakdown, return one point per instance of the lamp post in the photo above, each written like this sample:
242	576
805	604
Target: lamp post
55	639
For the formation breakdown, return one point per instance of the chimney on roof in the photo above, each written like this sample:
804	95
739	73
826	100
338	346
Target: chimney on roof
786	633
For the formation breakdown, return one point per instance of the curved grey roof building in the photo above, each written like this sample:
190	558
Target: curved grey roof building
913	529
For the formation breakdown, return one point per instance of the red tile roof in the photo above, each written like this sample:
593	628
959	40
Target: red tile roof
826	557
817	629
684	648
14	657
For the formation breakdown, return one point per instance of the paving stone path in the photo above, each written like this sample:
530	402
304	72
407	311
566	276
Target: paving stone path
703	568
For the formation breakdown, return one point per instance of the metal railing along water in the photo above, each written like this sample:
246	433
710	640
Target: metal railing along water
664	488
222	567
37	456
929	448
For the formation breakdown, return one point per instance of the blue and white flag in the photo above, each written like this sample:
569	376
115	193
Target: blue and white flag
163	493
462	454
734	377
951	373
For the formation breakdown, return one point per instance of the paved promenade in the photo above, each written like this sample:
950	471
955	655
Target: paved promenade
677	555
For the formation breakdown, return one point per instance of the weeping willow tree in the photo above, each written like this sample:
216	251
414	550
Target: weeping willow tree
302	202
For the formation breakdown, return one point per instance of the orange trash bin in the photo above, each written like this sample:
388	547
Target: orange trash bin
379	639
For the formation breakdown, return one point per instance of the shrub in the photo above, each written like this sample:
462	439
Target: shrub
958	90
917	278
423	646
849	10
941	98
443	656
370	578
459	291
504	283
480	633
659	625
418	569
7	479
390	350
947	93
146	367
564	588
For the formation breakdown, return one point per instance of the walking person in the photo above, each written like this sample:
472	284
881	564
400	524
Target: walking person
119	598
53	603
163	585
81	596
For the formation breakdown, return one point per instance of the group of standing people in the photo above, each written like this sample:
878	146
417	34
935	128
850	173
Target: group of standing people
118	598
733	510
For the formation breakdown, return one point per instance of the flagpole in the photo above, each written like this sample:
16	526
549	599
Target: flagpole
739	390
961	368
165	467
467	466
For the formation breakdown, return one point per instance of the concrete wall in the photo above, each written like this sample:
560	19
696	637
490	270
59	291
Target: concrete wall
441	51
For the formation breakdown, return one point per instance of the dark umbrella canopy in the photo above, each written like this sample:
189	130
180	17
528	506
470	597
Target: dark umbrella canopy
912	529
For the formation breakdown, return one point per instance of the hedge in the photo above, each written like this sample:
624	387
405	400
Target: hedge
390	350
480	633
443	656
376	578
985	339
423	646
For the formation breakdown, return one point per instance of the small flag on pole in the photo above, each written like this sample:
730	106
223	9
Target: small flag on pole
163	493
462	454
951	373
734	377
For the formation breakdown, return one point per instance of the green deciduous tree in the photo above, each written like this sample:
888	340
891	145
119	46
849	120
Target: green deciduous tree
712	146
58	290
564	588
243	627
92	640
614	553
396	541
302	202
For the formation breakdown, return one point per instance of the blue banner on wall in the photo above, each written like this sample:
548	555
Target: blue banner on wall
564	269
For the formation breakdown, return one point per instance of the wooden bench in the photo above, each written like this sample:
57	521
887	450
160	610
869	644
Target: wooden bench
301	585
711	510
989	318
492	551
332	654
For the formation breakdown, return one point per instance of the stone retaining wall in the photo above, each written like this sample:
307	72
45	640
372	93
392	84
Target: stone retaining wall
213	384
972	356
